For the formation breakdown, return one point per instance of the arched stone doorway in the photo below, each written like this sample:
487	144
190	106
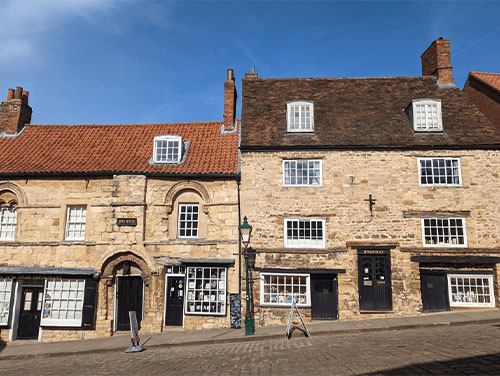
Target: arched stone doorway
131	276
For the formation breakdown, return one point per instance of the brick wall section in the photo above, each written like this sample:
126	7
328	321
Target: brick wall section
348	178
486	99
436	62
14	114
229	101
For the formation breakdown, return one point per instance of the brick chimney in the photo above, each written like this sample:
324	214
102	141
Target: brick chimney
436	61
229	101
15	112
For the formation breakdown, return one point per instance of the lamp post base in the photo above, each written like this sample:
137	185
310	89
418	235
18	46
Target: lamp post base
249	325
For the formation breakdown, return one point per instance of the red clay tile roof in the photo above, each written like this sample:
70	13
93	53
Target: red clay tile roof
359	113
102	149
492	79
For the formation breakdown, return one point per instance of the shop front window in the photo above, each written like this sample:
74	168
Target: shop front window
280	289
63	302
5	300
206	291
469	290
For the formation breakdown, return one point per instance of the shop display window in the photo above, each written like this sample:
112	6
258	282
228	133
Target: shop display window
63	302
206	291
280	289
469	290
5	300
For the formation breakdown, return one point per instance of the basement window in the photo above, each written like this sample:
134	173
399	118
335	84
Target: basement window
425	115
167	149
300	116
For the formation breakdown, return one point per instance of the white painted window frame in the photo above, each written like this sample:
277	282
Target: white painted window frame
307	161
69	223
7	213
288	297
290	243
167	138
466	297
5	300
218	290
289	106
426	102
439	184
192	221
444	245
74	322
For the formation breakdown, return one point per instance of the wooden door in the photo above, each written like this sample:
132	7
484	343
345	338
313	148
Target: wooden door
374	282
434	288
324	297
30	313
129	298
175	301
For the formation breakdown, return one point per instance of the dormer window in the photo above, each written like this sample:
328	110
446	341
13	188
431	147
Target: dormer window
425	115
167	149
300	116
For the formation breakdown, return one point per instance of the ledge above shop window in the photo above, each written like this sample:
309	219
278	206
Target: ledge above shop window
437	213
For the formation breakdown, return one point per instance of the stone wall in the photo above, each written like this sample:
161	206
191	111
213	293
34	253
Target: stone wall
40	237
349	177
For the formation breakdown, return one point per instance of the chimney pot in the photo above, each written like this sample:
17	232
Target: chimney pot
14	115
251	73
230	75
252	70
19	92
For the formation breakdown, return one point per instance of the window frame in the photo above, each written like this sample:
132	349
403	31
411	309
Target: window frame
6	298
427	101
491	288
74	322
188	302
287	304
66	230
291	104
419	159
8	224
287	242
167	138
179	236
444	245
303	160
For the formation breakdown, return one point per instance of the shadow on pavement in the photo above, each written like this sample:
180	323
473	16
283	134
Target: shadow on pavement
488	364
2	345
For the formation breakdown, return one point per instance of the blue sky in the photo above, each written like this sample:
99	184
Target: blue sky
137	61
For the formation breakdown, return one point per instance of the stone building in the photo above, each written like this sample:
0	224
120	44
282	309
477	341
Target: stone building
370	197
483	89
100	220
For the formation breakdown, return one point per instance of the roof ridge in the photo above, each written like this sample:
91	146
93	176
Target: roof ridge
493	74
126	125
348	78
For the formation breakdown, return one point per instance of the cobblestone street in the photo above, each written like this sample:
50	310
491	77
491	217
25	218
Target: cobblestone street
457	350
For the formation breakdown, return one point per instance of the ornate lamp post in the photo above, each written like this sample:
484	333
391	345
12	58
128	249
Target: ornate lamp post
245	231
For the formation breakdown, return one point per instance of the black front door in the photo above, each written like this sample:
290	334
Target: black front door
324	297
30	313
130	298
374	280
175	301
434	289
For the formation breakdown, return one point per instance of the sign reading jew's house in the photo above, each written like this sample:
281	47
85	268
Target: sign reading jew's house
126	222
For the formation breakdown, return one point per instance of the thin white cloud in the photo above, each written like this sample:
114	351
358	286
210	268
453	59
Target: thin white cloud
476	41
24	23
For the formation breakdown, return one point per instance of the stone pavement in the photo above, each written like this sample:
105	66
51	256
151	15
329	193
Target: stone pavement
176	337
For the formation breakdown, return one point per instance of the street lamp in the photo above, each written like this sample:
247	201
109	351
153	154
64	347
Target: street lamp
245	231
